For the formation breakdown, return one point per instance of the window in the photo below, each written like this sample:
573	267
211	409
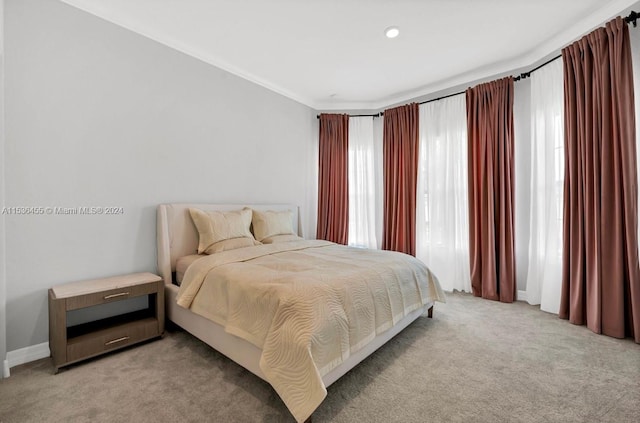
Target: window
442	221
362	195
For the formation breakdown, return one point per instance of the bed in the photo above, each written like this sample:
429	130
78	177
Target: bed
320	361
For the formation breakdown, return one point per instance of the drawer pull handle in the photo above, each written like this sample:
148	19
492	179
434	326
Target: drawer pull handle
122	294
124	338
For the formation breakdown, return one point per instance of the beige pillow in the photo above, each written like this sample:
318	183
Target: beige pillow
216	226
270	223
281	238
231	244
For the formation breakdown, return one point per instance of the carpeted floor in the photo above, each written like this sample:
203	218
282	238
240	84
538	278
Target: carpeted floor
475	361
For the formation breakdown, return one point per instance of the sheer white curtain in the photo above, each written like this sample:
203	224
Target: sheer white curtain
362	183
544	276
378	153
442	215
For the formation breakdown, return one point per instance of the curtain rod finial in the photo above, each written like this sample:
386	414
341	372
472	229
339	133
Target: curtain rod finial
633	18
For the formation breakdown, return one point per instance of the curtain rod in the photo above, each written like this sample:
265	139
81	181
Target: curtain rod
515	79
441	98
526	75
373	115
631	19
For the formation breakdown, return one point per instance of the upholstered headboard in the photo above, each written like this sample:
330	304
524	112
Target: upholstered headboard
177	235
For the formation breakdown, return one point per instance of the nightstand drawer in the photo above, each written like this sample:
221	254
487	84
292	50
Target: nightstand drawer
108	339
111	295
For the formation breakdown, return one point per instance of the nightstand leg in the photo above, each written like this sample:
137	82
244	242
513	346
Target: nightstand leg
57	330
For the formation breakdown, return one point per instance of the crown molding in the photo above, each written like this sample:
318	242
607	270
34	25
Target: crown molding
527	59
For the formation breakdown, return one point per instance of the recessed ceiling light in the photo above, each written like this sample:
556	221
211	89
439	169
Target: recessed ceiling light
392	32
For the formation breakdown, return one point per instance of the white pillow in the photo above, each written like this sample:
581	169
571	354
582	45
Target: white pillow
216	226
270	223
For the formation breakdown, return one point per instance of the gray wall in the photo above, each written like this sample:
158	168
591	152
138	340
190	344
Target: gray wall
3	295
99	116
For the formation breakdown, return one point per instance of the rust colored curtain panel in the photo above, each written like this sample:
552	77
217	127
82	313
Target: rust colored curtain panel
333	184
601	276
400	153
491	182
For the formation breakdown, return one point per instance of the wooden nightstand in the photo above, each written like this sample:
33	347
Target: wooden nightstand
74	343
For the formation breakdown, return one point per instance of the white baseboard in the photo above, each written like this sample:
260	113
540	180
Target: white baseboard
27	354
5	369
522	296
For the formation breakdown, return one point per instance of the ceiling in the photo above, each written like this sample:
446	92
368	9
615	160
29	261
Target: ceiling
333	54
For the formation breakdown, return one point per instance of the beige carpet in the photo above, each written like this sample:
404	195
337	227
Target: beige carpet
476	361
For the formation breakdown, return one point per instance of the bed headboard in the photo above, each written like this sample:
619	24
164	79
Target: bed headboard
177	235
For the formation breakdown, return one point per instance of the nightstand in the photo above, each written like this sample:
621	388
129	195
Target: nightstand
70	344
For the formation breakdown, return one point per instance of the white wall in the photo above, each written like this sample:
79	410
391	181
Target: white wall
99	116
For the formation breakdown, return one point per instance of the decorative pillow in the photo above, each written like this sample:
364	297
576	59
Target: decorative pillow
281	238
270	223
231	244
216	226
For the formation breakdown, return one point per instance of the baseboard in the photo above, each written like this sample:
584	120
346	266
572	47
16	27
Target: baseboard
522	296
28	354
5	369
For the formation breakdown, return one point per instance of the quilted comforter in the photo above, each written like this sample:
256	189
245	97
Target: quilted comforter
307	304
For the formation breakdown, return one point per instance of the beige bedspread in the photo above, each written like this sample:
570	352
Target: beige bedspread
307	304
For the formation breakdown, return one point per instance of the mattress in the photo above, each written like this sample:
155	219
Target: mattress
183	263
